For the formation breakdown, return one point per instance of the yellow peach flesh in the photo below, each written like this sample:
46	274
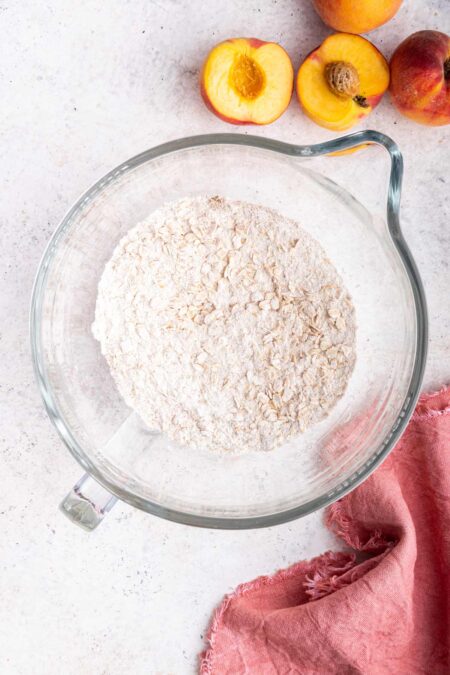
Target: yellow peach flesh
318	99
246	83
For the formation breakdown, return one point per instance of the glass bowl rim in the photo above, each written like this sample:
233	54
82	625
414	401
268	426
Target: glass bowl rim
306	151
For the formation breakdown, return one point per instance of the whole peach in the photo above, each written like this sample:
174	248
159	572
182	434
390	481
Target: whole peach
420	77
356	16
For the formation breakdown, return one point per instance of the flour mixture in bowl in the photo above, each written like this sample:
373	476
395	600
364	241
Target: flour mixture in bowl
225	325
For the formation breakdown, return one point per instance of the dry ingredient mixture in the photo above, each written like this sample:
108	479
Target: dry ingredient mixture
225	325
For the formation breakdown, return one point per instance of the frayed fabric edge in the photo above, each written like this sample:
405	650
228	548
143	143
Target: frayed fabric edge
423	412
431	413
434	394
344	528
323	578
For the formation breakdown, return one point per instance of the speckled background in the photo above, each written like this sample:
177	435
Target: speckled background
85	85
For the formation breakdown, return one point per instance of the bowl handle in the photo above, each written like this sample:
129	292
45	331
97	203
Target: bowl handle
87	503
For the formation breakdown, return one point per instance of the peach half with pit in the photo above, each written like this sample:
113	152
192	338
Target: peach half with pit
341	82
247	81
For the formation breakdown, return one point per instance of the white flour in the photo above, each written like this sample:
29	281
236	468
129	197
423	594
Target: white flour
225	325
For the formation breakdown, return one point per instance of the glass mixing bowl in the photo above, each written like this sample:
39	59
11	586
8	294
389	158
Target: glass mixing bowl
125	459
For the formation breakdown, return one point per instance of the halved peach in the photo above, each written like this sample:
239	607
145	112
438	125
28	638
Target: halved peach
340	82
247	81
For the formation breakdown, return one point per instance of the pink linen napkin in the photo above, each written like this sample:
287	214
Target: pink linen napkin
383	609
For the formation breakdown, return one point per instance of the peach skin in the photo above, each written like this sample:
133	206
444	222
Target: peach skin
247	81
356	16
340	82
420	77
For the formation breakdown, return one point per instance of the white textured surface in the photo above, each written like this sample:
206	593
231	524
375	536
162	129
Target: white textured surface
85	85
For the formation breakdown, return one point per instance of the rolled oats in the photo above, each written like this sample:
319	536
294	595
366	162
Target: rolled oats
225	325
